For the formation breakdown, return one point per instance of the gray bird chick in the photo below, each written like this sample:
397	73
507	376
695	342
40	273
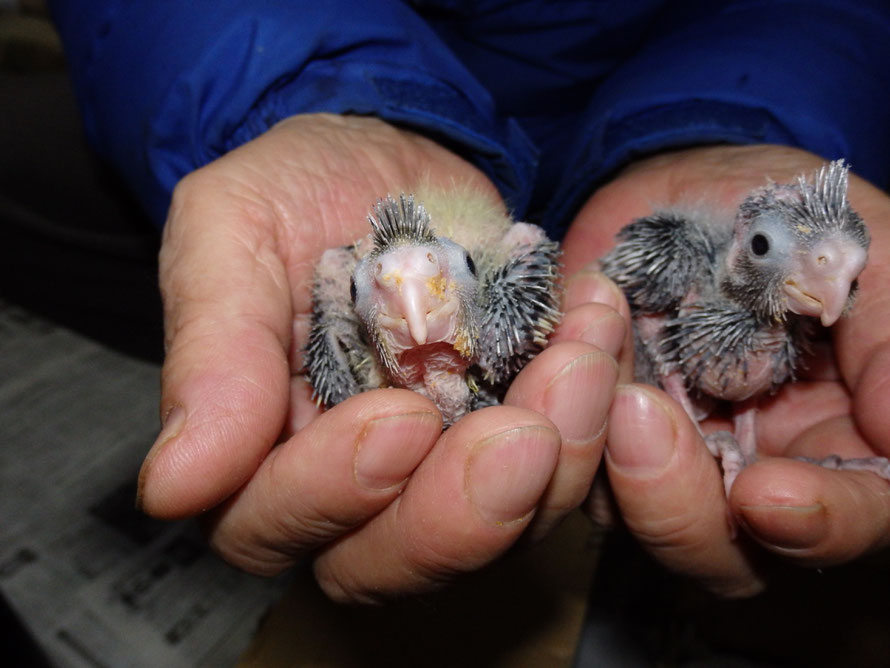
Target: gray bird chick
449	298
724	308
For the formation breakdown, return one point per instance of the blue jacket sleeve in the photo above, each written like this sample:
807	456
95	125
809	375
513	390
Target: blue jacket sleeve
812	74
166	86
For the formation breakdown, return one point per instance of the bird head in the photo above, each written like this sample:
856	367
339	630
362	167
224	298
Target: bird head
413	288
798	247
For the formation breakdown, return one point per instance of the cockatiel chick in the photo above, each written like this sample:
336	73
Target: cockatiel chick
723	309
447	296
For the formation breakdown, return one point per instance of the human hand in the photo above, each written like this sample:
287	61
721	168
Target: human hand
666	484
383	500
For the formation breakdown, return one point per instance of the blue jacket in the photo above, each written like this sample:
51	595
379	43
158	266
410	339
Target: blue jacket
548	98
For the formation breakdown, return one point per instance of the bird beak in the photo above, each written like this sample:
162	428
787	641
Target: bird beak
819	286
412	290
415	307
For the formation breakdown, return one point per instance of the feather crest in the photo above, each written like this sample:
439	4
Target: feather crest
825	199
399	222
813	206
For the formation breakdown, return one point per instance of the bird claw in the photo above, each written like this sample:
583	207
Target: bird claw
880	466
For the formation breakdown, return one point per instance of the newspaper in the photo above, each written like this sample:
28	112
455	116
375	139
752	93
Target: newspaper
94	581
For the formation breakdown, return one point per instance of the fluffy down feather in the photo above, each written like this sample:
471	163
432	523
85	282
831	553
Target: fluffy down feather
447	296
723	307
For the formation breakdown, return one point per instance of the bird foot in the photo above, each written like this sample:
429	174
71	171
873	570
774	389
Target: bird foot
724	446
880	466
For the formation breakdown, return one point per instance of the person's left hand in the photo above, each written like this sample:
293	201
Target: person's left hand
371	491
667	486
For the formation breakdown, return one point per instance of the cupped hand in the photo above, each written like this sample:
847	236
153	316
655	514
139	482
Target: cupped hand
666	484
376	493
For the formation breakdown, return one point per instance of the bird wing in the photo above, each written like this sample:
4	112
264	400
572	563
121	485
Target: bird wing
659	259
721	348
519	302
338	361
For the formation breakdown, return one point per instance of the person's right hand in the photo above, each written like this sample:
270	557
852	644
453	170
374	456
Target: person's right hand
382	499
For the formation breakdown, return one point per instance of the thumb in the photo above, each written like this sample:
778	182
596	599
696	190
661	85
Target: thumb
225	379
669	490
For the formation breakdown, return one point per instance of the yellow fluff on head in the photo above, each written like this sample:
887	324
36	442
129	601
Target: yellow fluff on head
463	211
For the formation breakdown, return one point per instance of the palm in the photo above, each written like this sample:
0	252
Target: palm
838	406
296	207
827	381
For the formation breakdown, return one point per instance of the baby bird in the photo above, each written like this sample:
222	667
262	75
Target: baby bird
723	309
449	298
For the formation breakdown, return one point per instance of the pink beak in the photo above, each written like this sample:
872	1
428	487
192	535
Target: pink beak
415	307
404	276
819	285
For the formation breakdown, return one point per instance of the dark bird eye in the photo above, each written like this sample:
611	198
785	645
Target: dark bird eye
352	289
759	245
471	265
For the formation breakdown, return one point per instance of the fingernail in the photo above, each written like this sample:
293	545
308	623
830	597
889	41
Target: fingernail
606	333
577	399
642	435
786	527
592	286
172	425
508	472
390	448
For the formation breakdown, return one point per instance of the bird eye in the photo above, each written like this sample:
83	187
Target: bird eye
471	265
352	291
759	245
